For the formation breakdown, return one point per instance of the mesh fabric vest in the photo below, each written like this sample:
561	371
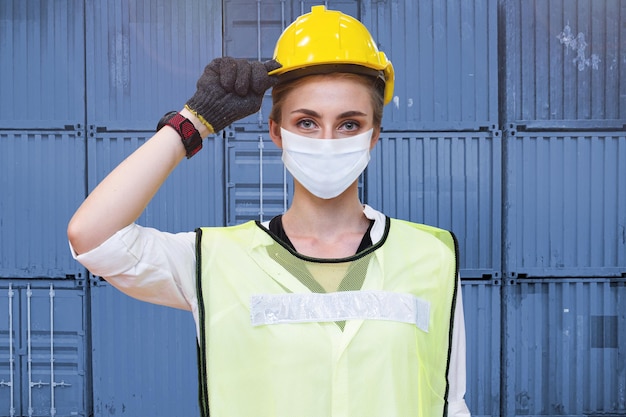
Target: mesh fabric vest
341	366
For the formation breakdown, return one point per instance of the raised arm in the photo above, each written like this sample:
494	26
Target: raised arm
229	89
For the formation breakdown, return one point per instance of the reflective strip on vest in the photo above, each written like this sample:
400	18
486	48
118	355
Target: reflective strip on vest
338	306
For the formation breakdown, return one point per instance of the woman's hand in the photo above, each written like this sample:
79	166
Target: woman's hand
230	89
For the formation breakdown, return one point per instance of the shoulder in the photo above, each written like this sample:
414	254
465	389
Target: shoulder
383	225
219	237
231	230
423	232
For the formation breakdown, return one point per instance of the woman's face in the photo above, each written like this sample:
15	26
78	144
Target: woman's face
326	107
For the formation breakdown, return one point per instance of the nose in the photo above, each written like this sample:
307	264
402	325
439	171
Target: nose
328	132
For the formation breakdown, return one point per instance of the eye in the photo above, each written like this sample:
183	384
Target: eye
350	126
306	124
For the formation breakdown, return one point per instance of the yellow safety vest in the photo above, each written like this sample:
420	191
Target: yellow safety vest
268	346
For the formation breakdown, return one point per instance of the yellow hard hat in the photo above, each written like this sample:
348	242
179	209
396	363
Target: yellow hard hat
321	40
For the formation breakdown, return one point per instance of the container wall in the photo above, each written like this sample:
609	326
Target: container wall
42	346
447	179
448	82
191	197
445	59
566	203
42	76
144	58
144	357
258	187
481	302
565	62
566	340
41	184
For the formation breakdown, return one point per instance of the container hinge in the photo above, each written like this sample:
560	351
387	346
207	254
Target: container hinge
94	281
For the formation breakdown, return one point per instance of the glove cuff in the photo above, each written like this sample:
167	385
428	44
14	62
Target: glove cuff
201	118
220	115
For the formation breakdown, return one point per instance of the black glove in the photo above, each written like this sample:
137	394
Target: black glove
231	89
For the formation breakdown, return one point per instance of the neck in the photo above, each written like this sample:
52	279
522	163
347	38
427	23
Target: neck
328	220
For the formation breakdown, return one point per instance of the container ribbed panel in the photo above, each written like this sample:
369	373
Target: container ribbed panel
566	205
258	187
447	179
144	357
565	62
42	75
481	302
567	344
144	58
445	58
41	185
42	348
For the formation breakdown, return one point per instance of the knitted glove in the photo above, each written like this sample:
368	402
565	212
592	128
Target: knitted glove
230	89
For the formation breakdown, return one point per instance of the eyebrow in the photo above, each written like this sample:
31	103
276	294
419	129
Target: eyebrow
313	113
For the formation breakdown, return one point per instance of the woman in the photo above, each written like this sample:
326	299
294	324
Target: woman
331	309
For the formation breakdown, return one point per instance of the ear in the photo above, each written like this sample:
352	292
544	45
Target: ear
375	136
275	133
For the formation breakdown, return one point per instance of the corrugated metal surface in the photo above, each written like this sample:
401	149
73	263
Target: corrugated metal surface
144	357
42	75
566	340
448	179
10	329
258	186
144	58
481	302
445	56
566	203
42	371
448	82
41	184
565	61
191	197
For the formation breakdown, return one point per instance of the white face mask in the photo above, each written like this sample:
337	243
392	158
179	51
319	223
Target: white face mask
326	167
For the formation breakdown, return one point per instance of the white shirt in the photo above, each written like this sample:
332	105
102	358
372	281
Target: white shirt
160	268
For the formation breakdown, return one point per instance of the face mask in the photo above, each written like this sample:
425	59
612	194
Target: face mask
326	167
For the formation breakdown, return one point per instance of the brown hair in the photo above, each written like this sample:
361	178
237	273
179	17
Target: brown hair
375	85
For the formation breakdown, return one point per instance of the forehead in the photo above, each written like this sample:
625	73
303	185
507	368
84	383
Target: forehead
331	90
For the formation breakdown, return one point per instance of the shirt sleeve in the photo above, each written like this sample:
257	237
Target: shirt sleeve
457	371
147	264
